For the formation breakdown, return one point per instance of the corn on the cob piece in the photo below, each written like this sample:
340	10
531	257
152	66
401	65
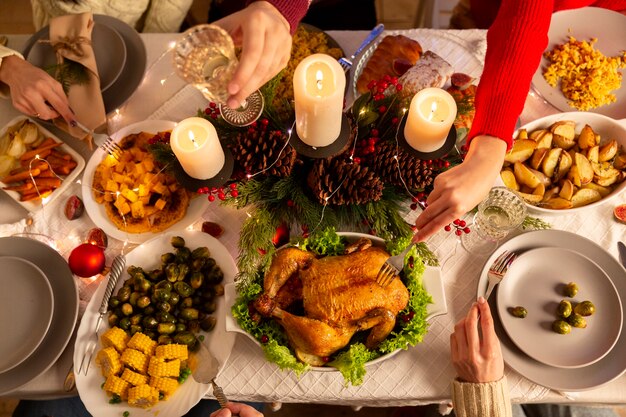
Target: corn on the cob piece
135	360
143	396
167	386
172	351
116	385
109	361
159	367
142	343
134	378
115	337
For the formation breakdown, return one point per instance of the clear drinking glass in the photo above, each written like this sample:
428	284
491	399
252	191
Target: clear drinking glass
205	57
502	211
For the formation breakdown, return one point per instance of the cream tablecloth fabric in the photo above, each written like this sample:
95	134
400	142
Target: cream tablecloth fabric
417	376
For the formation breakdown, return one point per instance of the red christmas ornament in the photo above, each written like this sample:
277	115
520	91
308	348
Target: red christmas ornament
281	236
86	260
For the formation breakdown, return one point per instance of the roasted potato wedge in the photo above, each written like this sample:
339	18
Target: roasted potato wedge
565	129
607	151
557	203
544	140
587	138
525	176
567	189
563	142
565	163
585	196
604	191
538	155
508	178
522	150
593	153
584	168
550	161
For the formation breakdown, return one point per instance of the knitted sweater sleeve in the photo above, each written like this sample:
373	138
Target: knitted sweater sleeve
515	42
490	399
292	10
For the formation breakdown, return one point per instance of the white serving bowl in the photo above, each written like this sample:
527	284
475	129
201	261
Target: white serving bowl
606	127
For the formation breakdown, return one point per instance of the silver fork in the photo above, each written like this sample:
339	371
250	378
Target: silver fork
498	269
347	63
103	141
390	270
116	271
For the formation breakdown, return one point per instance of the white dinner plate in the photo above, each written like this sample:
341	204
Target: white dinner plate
64	316
36	205
97	212
607	369
535	281
444	45
609	28
26	307
218	341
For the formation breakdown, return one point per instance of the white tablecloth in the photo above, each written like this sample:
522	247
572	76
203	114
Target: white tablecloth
420	375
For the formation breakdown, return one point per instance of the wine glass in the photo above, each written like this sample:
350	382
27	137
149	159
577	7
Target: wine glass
498	214
205	57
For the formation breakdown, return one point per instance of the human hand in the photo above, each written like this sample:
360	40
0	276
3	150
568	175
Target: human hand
476	359
265	39
461	188
239	409
33	91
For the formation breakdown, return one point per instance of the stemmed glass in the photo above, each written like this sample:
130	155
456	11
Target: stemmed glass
498	214
205	57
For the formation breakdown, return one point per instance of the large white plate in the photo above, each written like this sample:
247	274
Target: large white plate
535	281
446	46
35	205
65	309
26	307
608	27
607	369
431	279
97	212
218	341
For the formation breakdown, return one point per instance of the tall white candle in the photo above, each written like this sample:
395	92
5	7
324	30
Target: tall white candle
318	88
195	143
431	114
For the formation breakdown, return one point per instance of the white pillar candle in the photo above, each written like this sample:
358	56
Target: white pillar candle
431	114
318	88
195	143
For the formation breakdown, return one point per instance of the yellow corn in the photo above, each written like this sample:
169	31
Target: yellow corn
116	385
135	360
142	343
143	396
134	378
167	386
115	337
172	351
109	361
158	367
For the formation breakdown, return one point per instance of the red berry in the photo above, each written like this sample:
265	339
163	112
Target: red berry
221	196
290	203
446	164
357	160
394	120
447	228
214	116
374	132
200	190
371	84
387	77
456	222
207	111
371	142
264	339
394	80
406	318
467	230
234	193
265	122
457	232
233	185
326	359
398	87
462	223
261	251
211	198
213	105
379	97
413	206
371	149
382	109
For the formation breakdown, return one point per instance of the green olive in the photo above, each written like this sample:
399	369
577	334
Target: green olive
177	241
570	290
586	308
564	309
576	320
519	312
561	327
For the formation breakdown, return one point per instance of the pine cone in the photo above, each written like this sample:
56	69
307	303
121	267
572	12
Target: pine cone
256	150
417	175
342	182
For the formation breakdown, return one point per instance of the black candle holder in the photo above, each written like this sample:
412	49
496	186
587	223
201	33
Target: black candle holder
436	154
194	184
335	148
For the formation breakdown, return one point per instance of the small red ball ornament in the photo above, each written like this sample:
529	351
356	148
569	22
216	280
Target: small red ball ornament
86	260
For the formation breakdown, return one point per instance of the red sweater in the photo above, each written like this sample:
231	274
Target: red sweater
292	10
515	43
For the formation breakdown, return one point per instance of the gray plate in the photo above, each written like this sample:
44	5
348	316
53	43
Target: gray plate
63	318
612	366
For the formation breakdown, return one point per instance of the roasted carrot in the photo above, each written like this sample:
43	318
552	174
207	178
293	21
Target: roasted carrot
25	187
40	165
65	169
35	195
20	176
61	154
32	153
46	182
47	173
42	155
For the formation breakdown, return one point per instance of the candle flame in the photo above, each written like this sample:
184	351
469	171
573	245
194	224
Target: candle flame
433	109
192	138
319	76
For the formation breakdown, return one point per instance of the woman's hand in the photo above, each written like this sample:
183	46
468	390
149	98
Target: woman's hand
33	91
241	410
477	359
265	39
461	188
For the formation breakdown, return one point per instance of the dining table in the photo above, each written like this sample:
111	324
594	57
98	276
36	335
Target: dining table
420	375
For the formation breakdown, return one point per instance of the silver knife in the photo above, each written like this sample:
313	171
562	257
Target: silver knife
206	367
621	248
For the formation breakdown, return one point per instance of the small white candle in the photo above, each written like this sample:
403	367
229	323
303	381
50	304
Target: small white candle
195	143
318	88
431	114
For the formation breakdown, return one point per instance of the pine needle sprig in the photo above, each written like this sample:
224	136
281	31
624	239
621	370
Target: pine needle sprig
535	223
69	73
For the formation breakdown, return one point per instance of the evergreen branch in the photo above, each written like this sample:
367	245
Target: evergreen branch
69	73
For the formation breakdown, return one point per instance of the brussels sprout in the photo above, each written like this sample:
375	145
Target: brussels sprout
150	322
151	334
156	275
177	241
149	310
183	270
586	308
196	279
134	329
113	319
186	338
182	255
127	309
167	258
166	328
208	323
186	302
124	293
561	327
164	339
174	298
201	252
124	323
576	320
164	285
218	290
564	309
133	269
209	306
519	312
570	290
180	327
143	301
136	319
165	317
164	306
193	326
114	302
183	289
172	271
198	264
134	296
189	313
142	285
215	276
